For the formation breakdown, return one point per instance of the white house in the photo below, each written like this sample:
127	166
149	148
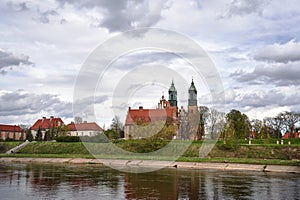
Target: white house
84	129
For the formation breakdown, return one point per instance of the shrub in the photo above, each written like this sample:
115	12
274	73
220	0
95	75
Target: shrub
3	148
96	139
67	139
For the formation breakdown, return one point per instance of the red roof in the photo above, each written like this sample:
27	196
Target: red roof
45	123
86	126
135	116
10	128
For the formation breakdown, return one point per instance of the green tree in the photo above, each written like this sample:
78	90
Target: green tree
203	113
47	135
39	135
112	134
29	135
256	126
239	124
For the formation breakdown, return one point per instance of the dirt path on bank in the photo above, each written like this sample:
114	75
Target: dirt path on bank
159	164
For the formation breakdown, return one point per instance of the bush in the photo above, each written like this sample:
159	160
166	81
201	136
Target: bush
96	139
67	139
3	148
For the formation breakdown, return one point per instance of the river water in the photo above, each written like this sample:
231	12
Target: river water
45	181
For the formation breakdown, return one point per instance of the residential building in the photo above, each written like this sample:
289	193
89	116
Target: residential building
13	132
84	129
46	124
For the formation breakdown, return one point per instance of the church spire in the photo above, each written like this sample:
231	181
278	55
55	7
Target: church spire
173	95
192	94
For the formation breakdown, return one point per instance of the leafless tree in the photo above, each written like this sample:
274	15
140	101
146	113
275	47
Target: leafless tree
216	122
78	120
290	119
276	124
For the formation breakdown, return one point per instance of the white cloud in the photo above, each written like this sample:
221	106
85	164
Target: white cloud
282	53
247	40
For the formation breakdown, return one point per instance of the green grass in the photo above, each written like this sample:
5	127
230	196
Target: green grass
5	146
261	152
88	156
54	148
242	160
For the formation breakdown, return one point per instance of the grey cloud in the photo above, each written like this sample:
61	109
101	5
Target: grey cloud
20	103
18	6
277	74
263	98
9	60
124	15
282	53
44	16
243	7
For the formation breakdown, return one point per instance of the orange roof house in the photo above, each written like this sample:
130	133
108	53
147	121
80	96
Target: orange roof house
12	132
47	123
163	113
84	129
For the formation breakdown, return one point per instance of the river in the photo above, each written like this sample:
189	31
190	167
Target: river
45	181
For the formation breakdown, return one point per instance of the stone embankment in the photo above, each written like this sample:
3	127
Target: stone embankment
159	164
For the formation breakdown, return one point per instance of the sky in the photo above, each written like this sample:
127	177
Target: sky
254	46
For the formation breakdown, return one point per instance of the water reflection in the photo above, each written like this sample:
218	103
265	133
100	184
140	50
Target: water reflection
33	181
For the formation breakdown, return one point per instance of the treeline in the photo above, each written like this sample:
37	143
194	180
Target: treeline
236	125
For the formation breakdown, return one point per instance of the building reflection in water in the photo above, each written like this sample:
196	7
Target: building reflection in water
30	181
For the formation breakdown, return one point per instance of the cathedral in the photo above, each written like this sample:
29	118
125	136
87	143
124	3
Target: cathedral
185	121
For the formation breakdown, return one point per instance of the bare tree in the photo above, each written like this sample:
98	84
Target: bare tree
276	124
216	122
290	119
78	120
117	125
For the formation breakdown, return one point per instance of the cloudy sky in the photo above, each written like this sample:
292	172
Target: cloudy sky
254	45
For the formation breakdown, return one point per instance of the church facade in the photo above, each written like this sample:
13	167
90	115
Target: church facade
167	111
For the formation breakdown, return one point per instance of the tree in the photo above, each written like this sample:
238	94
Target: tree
256	126
203	112
216	122
116	125
78	120
238	123
275	125
39	135
47	136
29	135
290	119
112	134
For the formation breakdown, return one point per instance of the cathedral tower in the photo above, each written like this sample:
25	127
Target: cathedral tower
193	113
192	95
173	95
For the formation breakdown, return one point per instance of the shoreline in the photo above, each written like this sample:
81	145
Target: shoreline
159	164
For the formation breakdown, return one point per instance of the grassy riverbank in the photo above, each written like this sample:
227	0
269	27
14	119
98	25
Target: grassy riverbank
259	152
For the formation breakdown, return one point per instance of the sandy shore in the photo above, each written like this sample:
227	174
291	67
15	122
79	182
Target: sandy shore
160	164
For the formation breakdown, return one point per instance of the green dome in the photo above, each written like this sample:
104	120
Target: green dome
172	88
192	87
